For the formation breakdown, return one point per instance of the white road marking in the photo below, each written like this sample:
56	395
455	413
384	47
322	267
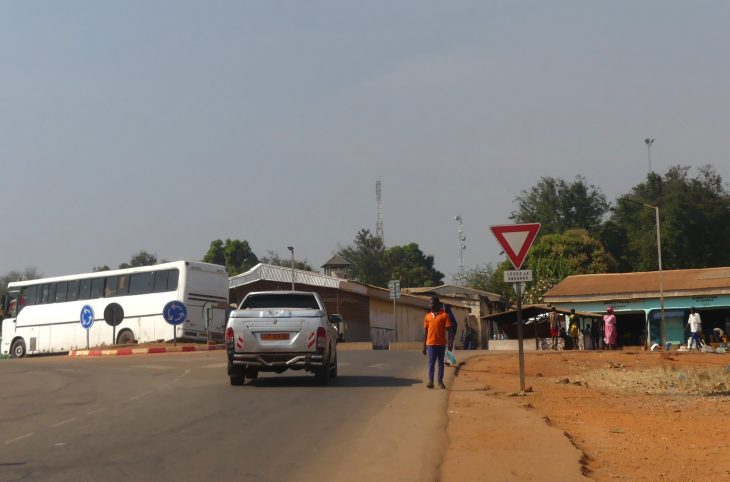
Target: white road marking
376	365
152	367
136	397
7	442
59	444
62	423
181	376
215	365
96	411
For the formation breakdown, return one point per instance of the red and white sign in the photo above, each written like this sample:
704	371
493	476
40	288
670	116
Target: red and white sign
516	240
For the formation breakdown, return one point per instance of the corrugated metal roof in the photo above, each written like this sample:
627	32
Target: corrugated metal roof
453	290
282	274
337	260
681	282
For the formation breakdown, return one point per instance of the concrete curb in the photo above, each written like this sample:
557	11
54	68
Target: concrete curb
144	350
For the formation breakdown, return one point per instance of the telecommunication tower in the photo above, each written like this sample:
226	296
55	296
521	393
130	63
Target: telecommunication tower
462	243
379	221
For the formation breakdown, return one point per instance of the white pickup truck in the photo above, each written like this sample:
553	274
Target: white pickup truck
274	331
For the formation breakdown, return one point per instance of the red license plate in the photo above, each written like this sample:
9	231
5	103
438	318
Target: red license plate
275	336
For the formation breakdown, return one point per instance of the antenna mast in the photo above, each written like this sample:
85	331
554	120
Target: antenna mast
379	221
462	243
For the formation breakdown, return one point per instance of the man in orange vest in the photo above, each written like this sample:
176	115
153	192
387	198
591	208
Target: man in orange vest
435	324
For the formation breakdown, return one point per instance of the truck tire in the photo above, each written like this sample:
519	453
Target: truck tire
237	374
17	349
323	374
252	373
333	368
126	337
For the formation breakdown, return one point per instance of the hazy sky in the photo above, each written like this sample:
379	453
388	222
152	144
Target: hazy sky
161	125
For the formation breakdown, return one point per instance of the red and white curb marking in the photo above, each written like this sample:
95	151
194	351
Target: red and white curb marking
144	351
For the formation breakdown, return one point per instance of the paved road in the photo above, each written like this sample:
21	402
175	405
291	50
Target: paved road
175	417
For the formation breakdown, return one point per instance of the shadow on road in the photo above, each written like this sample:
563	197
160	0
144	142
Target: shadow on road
345	381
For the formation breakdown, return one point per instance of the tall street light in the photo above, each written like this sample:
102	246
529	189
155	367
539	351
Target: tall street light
661	275
648	141
291	248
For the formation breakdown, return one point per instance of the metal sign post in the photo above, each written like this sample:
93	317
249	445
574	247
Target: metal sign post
113	315
520	337
87	320
175	313
516	240
394	292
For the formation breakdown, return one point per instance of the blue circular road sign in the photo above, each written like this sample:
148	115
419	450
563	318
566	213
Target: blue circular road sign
175	312
87	316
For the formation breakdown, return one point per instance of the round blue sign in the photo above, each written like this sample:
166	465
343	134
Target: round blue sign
175	312
87	316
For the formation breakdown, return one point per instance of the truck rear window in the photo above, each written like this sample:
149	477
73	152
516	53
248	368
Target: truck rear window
280	301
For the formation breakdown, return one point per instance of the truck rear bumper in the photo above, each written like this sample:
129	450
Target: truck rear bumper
279	360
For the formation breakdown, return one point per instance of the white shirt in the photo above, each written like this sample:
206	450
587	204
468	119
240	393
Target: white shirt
694	322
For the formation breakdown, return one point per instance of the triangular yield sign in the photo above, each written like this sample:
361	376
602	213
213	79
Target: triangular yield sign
516	240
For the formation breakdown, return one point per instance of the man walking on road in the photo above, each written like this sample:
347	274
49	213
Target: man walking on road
554	322
435	324
695	327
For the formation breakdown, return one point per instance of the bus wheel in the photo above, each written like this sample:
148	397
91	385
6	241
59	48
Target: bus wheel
17	349
126	337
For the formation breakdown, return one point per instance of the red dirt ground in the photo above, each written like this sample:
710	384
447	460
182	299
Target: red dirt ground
630	415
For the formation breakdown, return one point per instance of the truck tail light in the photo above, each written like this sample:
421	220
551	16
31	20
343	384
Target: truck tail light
229	336
321	337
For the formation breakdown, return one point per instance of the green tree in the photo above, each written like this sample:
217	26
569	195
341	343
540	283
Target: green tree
29	273
367	257
558	205
101	268
480	277
411	266
236	255
694	219
272	257
143	258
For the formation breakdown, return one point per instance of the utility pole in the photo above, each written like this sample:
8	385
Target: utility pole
648	141
291	248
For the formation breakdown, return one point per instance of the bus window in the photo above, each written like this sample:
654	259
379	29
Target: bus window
51	293
161	281
73	291
111	287
123	285
172	280
141	283
12	301
61	292
84	289
43	294
29	293
97	288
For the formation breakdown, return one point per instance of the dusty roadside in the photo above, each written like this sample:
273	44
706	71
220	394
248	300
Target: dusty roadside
608	415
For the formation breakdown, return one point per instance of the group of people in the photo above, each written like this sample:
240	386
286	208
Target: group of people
606	328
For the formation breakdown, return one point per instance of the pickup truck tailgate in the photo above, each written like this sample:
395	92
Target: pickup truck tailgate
275	331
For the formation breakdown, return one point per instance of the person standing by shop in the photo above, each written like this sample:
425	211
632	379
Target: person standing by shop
574	329
694	322
435	324
554	322
609	329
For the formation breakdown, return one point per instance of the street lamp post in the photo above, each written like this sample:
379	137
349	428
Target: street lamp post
291	248
648	141
659	259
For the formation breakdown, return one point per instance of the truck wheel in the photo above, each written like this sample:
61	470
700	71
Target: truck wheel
252	373
237	374
323	374
333	369
17	349
126	337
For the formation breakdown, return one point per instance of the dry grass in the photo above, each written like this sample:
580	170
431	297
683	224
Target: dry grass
661	380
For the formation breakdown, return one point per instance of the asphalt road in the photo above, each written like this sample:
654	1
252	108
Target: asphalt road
175	417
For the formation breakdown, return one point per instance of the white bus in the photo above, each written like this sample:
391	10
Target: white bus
43	315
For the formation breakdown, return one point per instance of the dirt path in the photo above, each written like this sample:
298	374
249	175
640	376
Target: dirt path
609	415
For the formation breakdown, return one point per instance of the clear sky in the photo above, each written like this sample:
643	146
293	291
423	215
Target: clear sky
162	125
